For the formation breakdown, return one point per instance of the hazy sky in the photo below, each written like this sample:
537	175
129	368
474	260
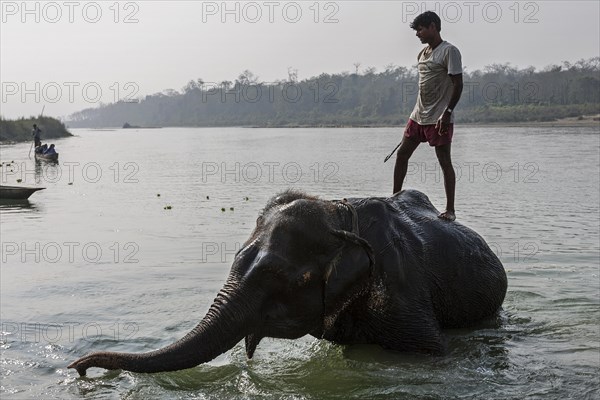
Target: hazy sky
70	55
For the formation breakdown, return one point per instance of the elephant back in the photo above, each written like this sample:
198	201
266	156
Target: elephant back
427	257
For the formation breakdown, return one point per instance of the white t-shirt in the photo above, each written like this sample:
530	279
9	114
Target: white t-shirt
435	85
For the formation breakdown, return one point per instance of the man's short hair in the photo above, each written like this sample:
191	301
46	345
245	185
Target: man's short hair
426	19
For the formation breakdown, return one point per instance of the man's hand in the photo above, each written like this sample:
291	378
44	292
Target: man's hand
443	124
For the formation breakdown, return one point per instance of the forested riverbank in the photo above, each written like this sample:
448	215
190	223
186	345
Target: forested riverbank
20	130
500	93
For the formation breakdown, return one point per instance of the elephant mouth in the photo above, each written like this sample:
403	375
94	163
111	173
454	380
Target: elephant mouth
252	340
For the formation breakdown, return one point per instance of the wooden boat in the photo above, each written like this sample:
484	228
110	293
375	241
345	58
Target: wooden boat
46	157
17	192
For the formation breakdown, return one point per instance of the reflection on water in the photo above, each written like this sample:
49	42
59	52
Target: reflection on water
143	261
45	170
8	206
17	203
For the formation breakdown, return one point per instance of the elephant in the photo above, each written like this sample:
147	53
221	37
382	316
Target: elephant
375	270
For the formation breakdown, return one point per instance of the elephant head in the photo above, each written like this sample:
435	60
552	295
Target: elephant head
302	265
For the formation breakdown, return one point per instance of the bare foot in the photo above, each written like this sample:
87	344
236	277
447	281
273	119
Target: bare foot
447	215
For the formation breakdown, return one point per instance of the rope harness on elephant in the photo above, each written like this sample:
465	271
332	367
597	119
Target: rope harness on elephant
352	237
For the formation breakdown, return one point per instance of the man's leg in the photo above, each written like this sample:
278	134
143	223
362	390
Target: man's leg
407	148
443	155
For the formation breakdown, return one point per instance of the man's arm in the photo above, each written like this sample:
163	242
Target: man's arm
457	88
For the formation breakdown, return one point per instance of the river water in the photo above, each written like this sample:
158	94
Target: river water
98	261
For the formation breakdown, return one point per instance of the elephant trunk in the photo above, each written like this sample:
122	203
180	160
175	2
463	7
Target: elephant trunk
224	325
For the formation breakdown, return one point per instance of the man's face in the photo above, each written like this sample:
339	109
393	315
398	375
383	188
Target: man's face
426	33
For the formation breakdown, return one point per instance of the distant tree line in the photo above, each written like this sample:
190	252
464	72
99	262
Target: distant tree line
498	93
20	130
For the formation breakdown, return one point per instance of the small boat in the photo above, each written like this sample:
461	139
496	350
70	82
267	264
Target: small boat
17	192
45	156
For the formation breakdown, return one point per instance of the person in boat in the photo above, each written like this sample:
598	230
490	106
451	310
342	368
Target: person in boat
41	149
50	150
35	132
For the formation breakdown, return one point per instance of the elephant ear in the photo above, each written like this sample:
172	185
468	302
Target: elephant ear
345	276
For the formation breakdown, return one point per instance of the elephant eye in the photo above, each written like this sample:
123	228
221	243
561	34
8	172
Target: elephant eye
305	278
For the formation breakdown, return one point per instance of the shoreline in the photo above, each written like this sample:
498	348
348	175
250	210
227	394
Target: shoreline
570	122
586	121
567	122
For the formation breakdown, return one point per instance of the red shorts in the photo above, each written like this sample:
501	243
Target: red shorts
428	133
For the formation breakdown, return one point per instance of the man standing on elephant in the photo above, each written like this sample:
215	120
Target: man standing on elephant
440	87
